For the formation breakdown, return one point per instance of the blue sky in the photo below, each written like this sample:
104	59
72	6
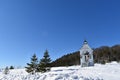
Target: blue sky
32	26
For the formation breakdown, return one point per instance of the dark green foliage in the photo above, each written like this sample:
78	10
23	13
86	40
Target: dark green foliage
67	60
32	66
11	67
6	71
44	64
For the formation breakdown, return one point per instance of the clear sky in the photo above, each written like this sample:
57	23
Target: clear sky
32	26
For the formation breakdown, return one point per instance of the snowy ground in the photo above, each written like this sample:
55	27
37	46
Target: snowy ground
110	71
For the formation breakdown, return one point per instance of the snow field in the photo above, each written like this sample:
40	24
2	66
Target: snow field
110	71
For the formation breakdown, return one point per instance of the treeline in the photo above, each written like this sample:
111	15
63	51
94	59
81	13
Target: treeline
107	54
67	60
101	55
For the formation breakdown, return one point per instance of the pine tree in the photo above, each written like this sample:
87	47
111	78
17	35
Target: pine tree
32	66
6	71
44	64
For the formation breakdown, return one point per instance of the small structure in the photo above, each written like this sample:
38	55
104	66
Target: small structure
86	55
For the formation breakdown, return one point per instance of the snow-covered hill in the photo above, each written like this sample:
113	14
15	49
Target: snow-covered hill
110	71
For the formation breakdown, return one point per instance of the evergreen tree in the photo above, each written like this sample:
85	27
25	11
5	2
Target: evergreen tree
32	66
6	71
44	64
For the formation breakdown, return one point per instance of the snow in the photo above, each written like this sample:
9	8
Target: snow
109	71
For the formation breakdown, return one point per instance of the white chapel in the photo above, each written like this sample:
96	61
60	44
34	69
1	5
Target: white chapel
86	55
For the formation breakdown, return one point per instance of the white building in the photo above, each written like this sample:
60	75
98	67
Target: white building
86	55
